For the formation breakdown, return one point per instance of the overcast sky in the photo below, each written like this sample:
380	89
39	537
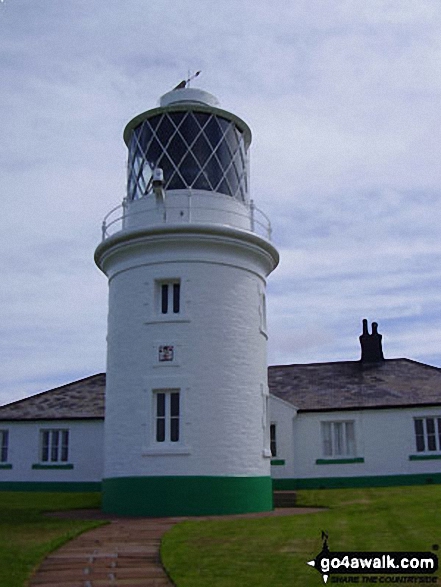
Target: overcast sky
343	99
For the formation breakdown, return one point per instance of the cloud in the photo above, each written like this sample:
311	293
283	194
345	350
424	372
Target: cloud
342	98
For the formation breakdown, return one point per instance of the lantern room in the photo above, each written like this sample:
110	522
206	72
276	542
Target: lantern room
197	145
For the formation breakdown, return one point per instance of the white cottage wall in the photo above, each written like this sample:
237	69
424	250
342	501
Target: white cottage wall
385	447
85	454
283	415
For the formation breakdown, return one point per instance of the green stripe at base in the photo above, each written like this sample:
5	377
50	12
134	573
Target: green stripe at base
343	482
186	496
424	457
53	486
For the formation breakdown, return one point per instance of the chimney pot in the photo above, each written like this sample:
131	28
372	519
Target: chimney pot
371	346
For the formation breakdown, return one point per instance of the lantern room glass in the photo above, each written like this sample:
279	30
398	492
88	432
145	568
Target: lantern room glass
198	150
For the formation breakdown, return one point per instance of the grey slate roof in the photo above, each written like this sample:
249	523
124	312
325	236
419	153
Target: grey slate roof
353	385
315	387
83	399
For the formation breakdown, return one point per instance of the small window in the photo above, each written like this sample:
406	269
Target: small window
4	445
427	434
170	297
167	415
338	439
273	440
54	447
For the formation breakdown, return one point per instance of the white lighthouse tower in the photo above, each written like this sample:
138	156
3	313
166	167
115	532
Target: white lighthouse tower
186	256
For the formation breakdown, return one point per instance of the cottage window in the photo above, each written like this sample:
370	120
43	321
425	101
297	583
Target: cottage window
338	439
167	415
4	445
427	434
54	446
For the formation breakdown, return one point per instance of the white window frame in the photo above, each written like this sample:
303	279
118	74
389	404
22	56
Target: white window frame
167	417
54	445
338	439
427	438
4	446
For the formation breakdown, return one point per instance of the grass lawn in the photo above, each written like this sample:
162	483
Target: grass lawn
26	536
273	551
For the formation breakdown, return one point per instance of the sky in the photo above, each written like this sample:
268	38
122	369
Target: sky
343	99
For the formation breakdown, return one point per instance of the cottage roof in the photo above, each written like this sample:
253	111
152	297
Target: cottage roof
83	399
356	385
313	387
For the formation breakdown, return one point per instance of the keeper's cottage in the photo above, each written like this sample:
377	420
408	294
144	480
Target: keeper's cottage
186	422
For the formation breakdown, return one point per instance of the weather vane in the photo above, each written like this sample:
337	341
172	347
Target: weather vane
185	83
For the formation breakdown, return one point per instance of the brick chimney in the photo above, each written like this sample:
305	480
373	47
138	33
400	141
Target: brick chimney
371	349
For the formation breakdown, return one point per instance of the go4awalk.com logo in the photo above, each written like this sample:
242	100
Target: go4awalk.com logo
375	567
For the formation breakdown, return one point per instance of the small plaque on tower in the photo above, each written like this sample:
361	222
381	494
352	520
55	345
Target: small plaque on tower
166	353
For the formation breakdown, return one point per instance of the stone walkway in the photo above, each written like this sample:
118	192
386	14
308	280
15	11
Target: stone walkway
124	553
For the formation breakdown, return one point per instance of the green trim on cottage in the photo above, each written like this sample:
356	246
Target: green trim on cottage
53	486
339	461
44	466
423	457
186	496
5	466
367	481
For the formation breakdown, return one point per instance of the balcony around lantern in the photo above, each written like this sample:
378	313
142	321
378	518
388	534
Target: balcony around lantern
185	207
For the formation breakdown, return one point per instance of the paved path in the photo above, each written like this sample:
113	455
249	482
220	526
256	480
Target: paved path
124	553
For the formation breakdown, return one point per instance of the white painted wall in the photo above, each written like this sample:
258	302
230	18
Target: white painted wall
221	366
283	415
186	206
85	451
384	438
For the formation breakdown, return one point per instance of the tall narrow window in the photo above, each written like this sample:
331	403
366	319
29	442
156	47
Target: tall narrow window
176	297
273	440
4	445
54	446
338	439
170	297
164	298
263	312
167	404
427	434
160	417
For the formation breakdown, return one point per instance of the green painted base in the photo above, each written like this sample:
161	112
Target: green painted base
342	482
54	486
186	496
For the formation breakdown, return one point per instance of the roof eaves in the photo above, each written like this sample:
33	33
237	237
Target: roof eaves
379	407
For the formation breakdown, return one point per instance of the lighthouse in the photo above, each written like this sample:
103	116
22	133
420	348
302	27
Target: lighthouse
187	255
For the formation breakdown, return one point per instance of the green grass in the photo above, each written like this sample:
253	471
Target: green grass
27	536
273	551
